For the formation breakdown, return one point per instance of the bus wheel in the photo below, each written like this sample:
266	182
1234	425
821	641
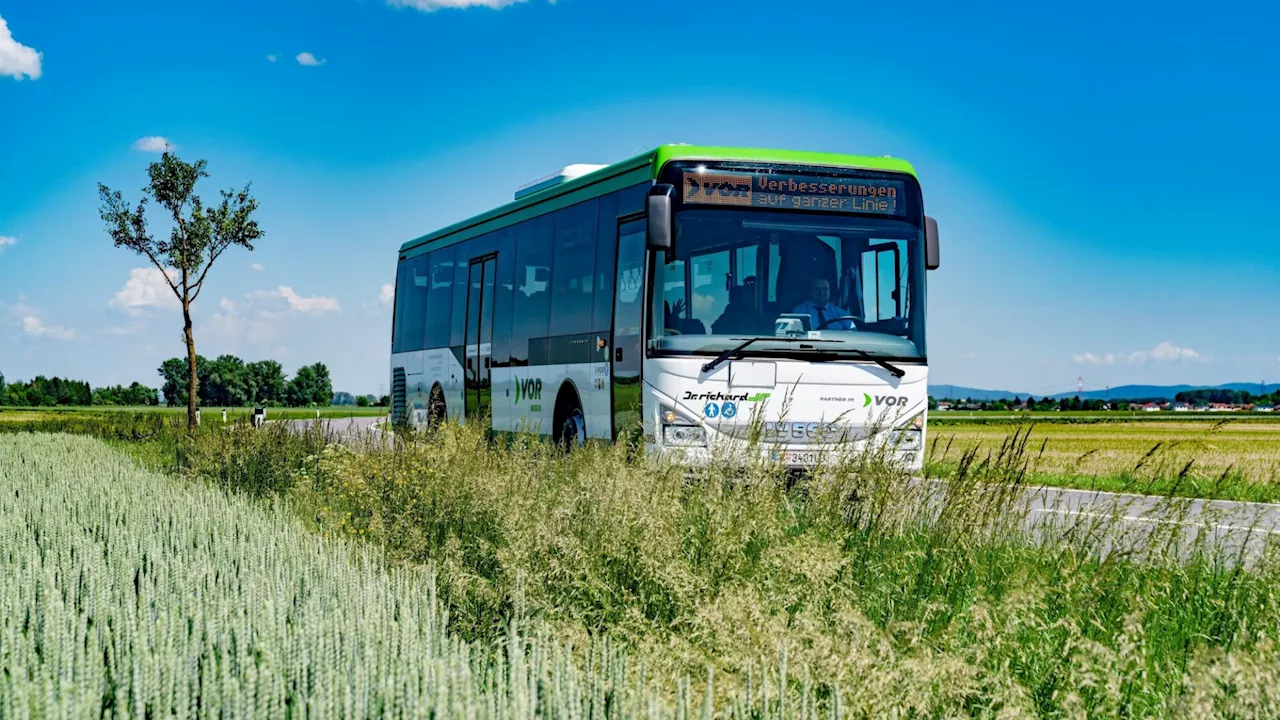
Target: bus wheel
435	408
571	426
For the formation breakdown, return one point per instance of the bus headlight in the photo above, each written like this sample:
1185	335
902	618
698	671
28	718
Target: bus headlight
679	432
910	436
684	436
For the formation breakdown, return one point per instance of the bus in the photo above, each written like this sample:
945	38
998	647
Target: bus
704	298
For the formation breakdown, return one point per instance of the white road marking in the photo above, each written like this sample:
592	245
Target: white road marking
1159	521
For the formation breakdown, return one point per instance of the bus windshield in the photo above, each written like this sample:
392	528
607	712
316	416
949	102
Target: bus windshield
733	274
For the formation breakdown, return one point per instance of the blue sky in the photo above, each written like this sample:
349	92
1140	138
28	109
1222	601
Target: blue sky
1103	177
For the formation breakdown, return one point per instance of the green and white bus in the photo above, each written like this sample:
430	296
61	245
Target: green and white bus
688	293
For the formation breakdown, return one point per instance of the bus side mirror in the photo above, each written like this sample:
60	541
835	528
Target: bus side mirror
931	258
660	201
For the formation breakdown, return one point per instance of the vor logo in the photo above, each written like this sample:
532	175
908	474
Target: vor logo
884	400
717	188
529	389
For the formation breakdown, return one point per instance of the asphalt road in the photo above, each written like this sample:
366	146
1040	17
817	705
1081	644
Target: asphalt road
350	430
1128	523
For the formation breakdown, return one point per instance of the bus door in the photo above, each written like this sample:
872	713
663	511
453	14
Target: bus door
481	280
628	327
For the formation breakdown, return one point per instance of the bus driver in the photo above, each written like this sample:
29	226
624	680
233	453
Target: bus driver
820	309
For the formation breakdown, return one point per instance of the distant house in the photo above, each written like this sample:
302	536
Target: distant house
944	406
1264	408
1222	407
1151	407
1181	407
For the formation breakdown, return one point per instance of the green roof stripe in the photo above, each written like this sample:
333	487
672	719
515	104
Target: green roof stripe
625	173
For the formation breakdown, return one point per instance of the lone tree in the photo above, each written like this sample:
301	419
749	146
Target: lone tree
198	237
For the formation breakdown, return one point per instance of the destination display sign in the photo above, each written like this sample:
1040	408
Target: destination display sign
793	192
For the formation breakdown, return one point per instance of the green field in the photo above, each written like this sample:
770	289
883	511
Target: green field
264	572
17	414
1224	458
951	417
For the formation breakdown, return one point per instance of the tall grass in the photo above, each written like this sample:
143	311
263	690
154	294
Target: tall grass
855	591
931	597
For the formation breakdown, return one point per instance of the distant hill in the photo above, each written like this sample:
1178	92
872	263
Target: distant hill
1126	392
1166	392
957	392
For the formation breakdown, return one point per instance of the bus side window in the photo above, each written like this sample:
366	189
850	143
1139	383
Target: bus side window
573	270
439	297
461	267
503	302
606	247
532	297
410	305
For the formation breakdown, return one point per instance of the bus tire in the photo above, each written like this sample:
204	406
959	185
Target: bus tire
570	422
437	411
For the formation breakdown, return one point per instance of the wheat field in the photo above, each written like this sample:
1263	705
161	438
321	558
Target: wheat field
127	594
1226	460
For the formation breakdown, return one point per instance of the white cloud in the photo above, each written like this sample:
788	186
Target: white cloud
1168	352
146	288
277	304
1165	352
32	325
387	295
121	330
432	5
312	305
17	60
153	144
272	57
1091	359
258	267
257	319
6	242
309	60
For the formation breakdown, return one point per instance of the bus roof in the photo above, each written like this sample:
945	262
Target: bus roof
644	166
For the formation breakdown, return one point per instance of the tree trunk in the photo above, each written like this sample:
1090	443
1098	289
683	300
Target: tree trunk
193	385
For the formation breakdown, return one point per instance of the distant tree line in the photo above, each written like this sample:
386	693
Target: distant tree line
1076	404
346	398
45	392
229	381
1229	397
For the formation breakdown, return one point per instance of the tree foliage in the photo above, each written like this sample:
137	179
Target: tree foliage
198	236
50	392
229	381
310	386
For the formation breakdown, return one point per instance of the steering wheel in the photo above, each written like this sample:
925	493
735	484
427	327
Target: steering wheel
854	318
670	331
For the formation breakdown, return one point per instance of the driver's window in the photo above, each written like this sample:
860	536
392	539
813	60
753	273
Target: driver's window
882	280
710	286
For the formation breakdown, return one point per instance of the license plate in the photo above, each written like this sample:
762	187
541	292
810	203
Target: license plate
797	457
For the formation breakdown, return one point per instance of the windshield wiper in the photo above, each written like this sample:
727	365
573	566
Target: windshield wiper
711	365
828	356
893	369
